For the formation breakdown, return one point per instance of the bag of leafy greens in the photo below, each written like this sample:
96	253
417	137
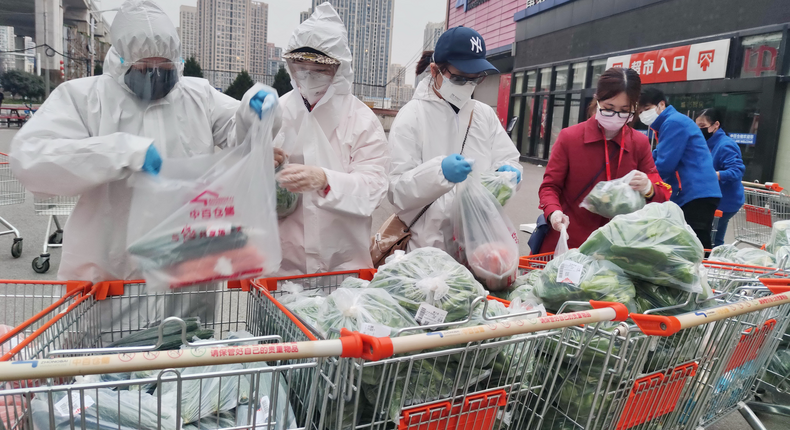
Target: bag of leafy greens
615	197
755	257
574	276
287	201
653	244
783	257
485	238
370	311
780	236
724	253
429	278
501	184
524	287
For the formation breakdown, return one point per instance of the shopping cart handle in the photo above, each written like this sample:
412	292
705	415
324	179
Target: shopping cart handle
376	348
776	285
352	343
656	325
620	310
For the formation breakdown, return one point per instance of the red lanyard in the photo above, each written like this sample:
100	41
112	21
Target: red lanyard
606	150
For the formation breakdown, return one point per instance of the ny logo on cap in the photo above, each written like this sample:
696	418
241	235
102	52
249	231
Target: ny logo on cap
477	44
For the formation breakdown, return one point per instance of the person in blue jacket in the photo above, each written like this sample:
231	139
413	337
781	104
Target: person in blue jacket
729	167
684	162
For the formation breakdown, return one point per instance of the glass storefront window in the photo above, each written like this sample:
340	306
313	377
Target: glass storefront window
543	108
545	79
573	117
532	81
526	124
556	119
598	67
759	55
517	113
562	78
519	84
579	74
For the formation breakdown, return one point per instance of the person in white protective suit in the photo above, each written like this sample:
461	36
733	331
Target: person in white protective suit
92	134
427	138
336	150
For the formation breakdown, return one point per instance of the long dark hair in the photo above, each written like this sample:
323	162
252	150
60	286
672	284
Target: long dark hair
425	62
613	82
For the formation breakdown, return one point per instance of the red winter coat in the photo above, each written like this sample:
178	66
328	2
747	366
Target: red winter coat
577	163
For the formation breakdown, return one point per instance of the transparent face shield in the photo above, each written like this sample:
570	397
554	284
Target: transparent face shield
151	78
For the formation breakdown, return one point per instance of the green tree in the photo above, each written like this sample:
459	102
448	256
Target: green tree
97	69
240	85
282	82
192	68
23	84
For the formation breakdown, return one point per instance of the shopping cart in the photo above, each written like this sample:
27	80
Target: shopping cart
477	385
765	204
715	228
52	207
11	193
251	396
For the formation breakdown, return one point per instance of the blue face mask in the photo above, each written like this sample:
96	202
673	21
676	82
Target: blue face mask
151	84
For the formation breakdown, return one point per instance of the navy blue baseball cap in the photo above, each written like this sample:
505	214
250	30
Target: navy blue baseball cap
465	49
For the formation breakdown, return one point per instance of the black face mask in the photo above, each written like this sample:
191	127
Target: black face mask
706	133
151	84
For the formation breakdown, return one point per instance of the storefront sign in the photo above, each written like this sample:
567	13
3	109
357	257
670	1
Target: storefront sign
683	63
744	138
503	98
469	4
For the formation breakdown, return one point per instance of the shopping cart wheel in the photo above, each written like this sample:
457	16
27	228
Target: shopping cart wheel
16	247
56	238
40	265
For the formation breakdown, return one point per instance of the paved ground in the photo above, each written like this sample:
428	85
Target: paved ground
521	209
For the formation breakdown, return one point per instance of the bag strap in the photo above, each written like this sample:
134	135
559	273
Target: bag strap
463	145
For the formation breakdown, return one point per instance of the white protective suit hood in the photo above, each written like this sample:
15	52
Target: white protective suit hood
324	31
330	231
141	29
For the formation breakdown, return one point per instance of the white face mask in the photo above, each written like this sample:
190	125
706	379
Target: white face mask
456	94
312	85
649	116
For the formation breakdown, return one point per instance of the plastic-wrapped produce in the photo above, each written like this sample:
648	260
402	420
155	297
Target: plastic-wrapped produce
524	287
354	283
429	276
273	411
578	277
203	397
104	409
653	244
649	296
725	253
304	303
369	310
287	202
171	335
615	197
783	257
501	184
755	257
223	420
780	236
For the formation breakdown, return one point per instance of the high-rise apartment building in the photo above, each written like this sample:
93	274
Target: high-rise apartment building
188	31
398	91
7	43
224	38
258	53
431	35
275	59
369	25
304	15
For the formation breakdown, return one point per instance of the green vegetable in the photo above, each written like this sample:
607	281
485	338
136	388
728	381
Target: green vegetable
599	280
429	275
755	257
649	296
203	397
501	184
524	287
612	198
171	335
783	257
352	308
354	283
653	244
780	236
725	253
286	200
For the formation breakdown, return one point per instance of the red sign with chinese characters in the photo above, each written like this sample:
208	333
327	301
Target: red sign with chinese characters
503	98
683	63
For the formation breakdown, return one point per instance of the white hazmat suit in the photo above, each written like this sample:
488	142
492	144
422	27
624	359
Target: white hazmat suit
426	131
343	136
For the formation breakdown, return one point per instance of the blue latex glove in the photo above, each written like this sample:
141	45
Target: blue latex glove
263	102
455	168
153	162
507	168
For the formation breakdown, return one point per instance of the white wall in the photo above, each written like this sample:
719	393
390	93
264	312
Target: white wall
781	171
488	91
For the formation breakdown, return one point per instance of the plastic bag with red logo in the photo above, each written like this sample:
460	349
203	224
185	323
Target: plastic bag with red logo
209	217
484	238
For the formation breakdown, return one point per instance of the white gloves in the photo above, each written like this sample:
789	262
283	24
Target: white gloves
558	219
298	178
641	183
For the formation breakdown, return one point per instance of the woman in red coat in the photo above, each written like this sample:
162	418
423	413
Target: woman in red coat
602	148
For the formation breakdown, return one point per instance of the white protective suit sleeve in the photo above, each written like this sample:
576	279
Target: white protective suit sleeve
245	116
360	190
54	153
413	184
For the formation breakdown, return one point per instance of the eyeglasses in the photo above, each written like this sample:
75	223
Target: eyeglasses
462	80
610	113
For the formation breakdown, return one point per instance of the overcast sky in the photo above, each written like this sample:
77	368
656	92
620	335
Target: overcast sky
409	22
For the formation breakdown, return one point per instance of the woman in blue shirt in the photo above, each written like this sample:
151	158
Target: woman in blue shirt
729	167
684	162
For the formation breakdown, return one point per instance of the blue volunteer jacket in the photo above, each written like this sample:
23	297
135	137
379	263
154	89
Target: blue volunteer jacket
728	162
683	159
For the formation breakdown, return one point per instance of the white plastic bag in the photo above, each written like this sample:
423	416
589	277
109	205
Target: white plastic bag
615	197
562	243
209	217
485	238
501	184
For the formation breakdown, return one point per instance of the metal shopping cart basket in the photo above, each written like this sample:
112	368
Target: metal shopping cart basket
765	204
52	207
11	193
477	385
251	396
